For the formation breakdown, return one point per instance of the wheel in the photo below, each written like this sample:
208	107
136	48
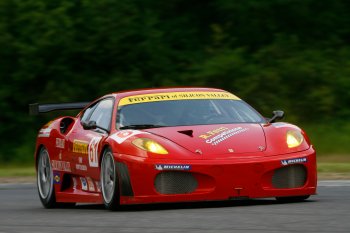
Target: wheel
109	181
45	179
292	199
45	182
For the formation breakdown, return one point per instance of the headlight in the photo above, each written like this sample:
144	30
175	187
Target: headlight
149	145
294	138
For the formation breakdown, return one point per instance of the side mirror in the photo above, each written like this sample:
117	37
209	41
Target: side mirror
277	115
89	125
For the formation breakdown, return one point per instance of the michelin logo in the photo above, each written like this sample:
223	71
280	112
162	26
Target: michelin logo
174	167
293	161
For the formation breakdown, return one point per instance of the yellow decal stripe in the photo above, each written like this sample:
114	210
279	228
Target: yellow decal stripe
136	99
80	147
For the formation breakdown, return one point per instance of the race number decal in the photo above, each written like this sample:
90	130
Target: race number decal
93	151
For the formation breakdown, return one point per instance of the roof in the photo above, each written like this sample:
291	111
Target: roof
162	90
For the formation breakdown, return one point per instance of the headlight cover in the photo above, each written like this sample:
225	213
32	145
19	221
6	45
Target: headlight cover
149	145
294	138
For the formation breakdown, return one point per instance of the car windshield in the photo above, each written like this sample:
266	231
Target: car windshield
185	112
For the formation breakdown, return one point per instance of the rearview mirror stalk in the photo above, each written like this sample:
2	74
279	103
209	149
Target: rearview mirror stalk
277	115
89	125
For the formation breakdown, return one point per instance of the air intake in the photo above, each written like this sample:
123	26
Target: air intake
175	183
293	176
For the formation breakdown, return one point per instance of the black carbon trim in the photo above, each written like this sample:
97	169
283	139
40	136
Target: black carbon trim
175	182
35	109
125	184
293	176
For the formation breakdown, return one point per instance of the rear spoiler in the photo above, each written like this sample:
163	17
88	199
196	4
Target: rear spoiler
35	109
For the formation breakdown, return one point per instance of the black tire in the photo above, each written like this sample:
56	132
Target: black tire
109	181
65	205
292	199
45	180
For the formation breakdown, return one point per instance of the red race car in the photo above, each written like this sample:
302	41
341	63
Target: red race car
170	145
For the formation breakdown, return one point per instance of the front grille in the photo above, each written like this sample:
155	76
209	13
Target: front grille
175	183
293	176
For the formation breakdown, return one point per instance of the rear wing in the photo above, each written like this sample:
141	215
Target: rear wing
35	109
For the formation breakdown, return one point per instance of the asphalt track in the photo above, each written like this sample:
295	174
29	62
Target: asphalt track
329	211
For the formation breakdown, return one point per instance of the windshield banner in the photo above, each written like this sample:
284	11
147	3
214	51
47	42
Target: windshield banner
136	99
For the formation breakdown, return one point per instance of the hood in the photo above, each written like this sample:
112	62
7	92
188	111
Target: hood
216	139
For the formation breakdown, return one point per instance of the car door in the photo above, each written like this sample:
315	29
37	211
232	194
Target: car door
87	141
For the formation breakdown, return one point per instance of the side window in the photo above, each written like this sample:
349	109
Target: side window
102	114
87	113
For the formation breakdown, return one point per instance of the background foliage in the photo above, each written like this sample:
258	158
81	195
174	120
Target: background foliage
275	54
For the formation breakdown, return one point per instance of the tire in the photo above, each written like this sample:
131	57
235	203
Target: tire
292	199
65	205
45	180
109	181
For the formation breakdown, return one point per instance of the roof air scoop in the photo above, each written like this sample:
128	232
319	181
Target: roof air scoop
187	132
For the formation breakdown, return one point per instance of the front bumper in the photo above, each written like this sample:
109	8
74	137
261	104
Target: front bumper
220	179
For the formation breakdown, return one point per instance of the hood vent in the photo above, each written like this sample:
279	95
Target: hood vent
187	132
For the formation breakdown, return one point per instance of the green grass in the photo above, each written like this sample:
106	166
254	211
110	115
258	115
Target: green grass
333	167
17	171
330	138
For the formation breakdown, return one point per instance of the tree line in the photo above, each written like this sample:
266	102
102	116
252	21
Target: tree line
275	54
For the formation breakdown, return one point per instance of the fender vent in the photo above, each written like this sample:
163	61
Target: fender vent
124	178
175	183
293	176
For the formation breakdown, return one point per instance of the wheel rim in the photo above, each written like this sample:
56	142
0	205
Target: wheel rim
45	180
108	177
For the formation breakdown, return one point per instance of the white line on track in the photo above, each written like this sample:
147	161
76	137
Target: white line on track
333	183
16	186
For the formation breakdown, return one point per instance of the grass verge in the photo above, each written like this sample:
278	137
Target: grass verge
17	171
329	138
333	167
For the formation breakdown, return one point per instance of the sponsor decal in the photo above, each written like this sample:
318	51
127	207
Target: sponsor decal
80	147
60	143
60	165
81	167
48	124
293	161
122	135
93	151
213	132
98	186
83	184
136	99
44	133
173	167
219	135
56	178
91	184
74	182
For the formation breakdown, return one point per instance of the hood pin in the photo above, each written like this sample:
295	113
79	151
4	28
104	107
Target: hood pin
198	151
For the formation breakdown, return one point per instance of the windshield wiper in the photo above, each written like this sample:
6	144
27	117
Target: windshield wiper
141	126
